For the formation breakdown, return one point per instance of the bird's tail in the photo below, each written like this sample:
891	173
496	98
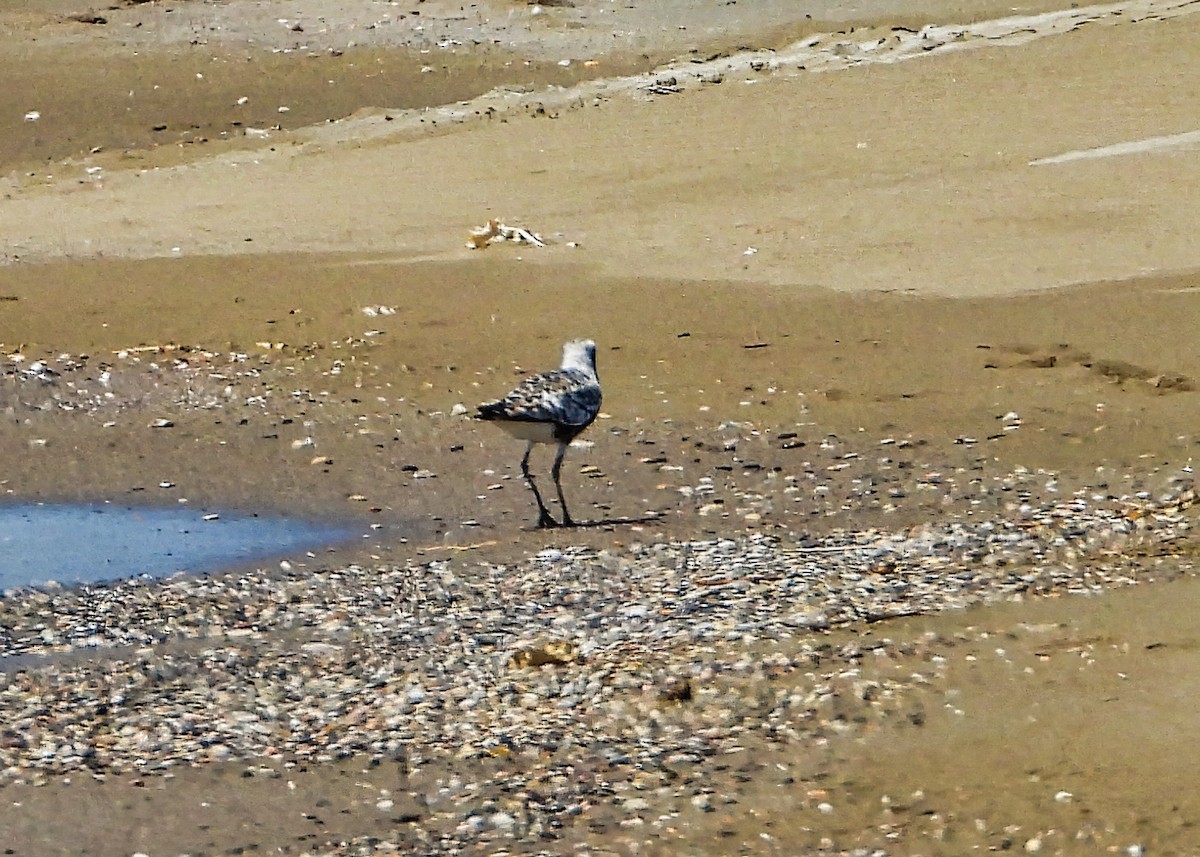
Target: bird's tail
489	411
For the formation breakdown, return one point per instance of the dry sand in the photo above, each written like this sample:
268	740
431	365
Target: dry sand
877	231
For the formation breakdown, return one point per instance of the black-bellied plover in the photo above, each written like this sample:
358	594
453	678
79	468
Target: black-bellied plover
553	407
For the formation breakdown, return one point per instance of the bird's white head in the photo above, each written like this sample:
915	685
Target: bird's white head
579	354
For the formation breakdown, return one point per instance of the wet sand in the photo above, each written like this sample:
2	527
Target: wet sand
1034	733
863	254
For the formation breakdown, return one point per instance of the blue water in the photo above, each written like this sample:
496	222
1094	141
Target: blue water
86	543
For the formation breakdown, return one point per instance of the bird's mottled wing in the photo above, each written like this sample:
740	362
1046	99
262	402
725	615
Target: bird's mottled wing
579	404
566	396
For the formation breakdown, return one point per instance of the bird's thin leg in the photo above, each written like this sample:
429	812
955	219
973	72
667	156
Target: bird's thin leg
562	501
544	518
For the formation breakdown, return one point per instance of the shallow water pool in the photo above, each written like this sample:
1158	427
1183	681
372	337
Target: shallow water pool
87	543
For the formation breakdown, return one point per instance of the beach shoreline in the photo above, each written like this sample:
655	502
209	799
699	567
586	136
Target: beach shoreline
899	404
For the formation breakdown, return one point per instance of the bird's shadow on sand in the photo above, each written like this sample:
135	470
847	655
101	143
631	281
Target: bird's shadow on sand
599	523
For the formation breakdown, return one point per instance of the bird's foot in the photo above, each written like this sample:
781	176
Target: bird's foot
545	522
567	520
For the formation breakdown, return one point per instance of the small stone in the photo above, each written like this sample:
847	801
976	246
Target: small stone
502	821
554	652
814	619
675	689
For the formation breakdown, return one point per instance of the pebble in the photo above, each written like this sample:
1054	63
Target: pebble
502	821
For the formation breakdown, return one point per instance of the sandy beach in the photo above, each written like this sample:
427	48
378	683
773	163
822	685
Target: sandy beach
888	512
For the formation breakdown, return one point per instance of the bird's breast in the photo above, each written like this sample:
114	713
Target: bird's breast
527	430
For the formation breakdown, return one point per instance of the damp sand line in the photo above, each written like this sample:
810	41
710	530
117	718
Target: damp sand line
1166	142
833	51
